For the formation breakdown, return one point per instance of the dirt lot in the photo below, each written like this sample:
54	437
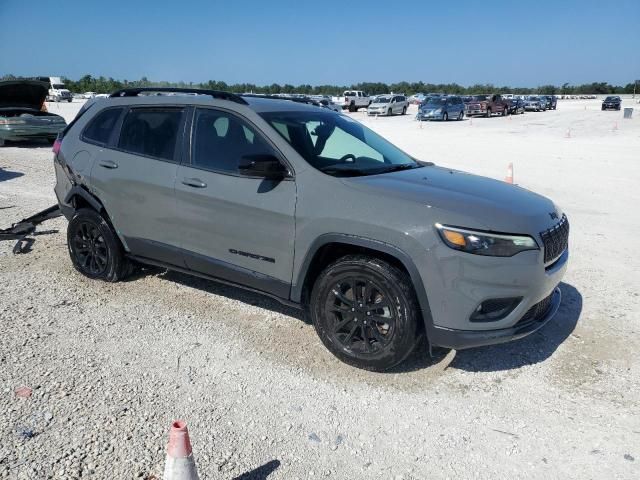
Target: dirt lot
112	364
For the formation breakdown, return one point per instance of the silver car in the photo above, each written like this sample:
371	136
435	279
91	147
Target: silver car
314	209
388	105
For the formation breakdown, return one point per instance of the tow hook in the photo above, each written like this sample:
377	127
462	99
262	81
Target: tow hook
21	230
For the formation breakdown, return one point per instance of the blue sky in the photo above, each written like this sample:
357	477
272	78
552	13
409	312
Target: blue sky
516	43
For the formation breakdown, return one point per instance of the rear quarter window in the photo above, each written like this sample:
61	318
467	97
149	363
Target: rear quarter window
99	129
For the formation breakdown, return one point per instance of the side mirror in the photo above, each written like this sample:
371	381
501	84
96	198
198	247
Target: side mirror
264	166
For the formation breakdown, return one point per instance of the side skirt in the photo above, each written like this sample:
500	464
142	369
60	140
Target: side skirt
170	266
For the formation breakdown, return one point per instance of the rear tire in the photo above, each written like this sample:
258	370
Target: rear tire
95	249
460	116
365	312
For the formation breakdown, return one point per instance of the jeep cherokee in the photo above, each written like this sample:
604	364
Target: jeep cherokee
310	207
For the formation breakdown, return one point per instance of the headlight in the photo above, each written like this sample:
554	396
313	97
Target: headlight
484	243
439	110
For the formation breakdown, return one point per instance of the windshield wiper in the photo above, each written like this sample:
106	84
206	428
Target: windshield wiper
397	168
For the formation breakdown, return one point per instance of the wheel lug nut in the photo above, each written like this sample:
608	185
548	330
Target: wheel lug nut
353	309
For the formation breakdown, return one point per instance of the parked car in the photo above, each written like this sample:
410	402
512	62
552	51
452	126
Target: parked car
611	103
313	209
417	98
23	115
516	105
442	108
551	101
534	103
88	95
486	105
326	102
352	100
388	105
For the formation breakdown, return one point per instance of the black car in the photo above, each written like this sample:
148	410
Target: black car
516	105
611	103
552	101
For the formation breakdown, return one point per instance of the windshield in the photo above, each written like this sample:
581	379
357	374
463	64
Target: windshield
610	99
436	101
381	100
338	145
480	97
534	98
58	86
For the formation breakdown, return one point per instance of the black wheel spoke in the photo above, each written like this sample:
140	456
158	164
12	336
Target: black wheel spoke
340	325
348	338
340	296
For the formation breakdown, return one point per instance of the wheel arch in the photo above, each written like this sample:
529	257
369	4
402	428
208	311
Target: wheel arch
78	197
329	247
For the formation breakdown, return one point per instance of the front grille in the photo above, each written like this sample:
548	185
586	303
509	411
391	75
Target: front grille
556	239
537	312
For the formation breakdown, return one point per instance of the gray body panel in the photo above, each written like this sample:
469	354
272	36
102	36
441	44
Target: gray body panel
287	221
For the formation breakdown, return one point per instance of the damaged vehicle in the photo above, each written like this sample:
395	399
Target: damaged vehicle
23	115
312	208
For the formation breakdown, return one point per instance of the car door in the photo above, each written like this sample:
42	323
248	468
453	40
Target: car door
235	227
134	176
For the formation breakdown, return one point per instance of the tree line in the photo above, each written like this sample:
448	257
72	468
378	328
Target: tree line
89	83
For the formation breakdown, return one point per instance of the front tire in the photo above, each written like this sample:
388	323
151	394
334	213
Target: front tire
488	114
94	248
445	117
365	312
404	110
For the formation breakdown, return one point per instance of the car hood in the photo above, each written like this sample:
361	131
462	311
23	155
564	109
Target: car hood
482	203
23	93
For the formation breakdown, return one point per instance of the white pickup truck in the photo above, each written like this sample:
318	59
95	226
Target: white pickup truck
352	100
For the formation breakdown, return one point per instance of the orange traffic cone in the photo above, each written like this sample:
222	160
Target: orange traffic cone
568	134
180	464
509	177
615	126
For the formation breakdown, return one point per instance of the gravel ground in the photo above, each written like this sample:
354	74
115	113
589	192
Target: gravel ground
111	365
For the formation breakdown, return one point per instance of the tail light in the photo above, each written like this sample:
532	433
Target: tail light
56	146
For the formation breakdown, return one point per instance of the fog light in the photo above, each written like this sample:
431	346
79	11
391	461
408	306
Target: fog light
494	309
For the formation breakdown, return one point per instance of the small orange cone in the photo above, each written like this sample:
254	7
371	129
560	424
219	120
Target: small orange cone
471	122
615	126
568	134
509	177
180	464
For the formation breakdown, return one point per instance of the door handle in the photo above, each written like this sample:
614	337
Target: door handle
108	164
194	182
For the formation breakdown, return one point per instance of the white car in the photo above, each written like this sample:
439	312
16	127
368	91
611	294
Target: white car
352	100
388	105
88	95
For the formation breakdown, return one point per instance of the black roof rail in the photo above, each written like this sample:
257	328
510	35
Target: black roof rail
303	99
134	92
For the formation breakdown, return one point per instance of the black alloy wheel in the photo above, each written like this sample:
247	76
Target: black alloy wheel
95	249
365	312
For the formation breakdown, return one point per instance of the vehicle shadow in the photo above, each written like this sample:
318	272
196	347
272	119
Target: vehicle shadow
530	350
8	174
233	293
260	473
35	143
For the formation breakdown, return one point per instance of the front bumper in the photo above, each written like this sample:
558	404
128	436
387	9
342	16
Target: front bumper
371	112
461	339
474	111
429	115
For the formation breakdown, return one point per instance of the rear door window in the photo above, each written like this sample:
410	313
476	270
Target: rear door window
101	126
152	132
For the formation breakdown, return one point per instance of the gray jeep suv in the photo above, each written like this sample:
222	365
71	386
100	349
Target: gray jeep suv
310	207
